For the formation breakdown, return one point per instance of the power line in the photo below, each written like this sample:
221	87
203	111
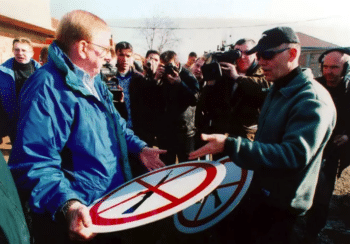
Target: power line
232	27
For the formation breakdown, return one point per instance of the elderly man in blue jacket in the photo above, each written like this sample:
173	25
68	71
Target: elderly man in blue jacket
13	73
295	123
72	145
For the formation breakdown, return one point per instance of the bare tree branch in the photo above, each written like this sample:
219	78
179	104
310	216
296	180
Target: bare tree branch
159	32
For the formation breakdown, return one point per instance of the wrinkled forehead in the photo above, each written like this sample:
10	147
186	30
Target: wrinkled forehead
22	45
334	58
153	56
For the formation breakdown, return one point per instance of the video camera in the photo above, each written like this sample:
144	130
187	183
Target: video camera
211	69
112	85
109	73
108	70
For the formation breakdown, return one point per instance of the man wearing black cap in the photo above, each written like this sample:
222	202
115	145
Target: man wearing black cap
295	123
335	78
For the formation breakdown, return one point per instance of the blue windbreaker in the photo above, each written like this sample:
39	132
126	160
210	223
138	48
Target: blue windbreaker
67	144
8	96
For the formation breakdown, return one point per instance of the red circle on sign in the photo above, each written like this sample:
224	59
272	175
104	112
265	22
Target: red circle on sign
196	222
174	201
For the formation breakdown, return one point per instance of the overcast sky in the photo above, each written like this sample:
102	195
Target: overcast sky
326	20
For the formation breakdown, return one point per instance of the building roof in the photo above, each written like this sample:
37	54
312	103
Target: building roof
310	41
17	24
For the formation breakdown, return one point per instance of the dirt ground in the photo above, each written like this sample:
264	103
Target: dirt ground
337	230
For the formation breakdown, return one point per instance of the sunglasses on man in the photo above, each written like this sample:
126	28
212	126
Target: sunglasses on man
268	55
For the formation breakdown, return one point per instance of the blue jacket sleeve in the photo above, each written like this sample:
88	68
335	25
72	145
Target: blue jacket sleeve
35	161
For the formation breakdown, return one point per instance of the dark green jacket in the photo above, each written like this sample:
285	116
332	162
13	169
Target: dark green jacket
13	227
294	126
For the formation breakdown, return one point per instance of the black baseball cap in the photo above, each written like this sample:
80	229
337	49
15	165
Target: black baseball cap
274	38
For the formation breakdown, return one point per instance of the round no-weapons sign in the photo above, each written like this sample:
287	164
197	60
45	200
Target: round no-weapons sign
156	195
214	207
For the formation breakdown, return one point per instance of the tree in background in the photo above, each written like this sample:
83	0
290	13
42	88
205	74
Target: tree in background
159	33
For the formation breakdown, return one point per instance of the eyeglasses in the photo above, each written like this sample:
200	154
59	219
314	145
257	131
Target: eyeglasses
105	50
268	55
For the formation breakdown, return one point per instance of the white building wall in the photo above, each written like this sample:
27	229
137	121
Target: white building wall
35	12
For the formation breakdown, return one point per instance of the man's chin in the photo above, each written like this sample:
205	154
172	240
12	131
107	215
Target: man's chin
22	60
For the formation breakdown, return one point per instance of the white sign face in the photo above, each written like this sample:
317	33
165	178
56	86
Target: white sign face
155	195
203	215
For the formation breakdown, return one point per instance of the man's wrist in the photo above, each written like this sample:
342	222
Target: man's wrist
66	206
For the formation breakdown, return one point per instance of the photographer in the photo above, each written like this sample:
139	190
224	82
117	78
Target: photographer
151	64
131	100
231	104
178	95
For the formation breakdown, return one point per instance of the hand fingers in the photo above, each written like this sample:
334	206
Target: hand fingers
199	152
159	151
80	230
206	137
158	163
224	64
83	235
225	68
154	165
85	217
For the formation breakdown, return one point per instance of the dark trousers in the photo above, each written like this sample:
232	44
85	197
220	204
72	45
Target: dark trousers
176	144
318	214
255	221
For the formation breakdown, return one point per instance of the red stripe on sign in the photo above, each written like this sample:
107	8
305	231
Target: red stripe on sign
126	200
196	222
158	191
211	172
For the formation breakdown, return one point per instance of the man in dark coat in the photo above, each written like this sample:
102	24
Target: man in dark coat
335	78
13	73
232	104
295	123
177	96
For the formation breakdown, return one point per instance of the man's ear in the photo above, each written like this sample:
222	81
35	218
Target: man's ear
81	47
293	52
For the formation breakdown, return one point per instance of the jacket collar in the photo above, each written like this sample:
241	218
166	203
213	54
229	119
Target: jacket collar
65	65
252	68
7	66
296	83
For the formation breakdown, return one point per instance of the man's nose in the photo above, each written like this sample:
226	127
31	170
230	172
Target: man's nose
326	70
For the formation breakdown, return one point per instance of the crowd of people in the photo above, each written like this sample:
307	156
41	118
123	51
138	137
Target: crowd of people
92	117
